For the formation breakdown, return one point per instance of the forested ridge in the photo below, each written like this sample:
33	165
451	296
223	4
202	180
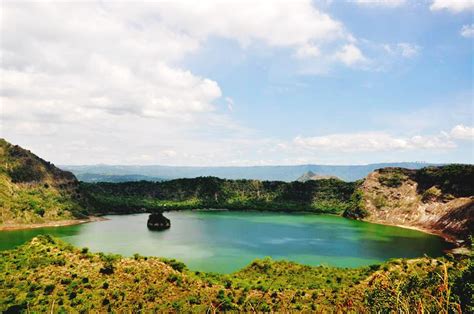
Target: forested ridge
322	196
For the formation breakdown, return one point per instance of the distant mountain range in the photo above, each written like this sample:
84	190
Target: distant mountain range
106	173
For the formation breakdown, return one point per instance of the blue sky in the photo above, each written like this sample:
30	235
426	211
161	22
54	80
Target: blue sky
240	83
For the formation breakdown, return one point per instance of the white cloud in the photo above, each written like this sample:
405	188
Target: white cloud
467	31
307	51
230	103
372	142
381	3
462	132
121	59
275	22
406	50
455	6
350	55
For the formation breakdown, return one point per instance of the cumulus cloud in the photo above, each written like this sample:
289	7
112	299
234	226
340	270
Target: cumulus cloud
372	142
275	22
454	6
381	3
350	55
467	31
121	59
307	51
462	132
106	63
382	141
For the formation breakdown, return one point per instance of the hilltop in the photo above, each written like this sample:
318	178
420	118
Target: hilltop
34	191
314	176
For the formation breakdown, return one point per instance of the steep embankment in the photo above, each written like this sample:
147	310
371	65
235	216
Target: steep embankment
48	275
33	191
439	200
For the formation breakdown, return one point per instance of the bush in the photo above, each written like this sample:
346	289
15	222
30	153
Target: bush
432	194
392	180
176	265
107	269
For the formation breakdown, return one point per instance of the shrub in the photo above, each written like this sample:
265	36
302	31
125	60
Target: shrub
107	269
48	289
432	194
176	265
392	180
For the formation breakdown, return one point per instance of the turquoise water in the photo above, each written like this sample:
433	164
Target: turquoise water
227	241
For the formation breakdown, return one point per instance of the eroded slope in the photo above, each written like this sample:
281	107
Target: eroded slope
436	199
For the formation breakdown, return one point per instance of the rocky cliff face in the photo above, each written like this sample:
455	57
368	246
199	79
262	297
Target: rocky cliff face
438	200
33	190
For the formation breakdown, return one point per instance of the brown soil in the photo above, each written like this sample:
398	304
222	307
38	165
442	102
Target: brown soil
59	223
403	206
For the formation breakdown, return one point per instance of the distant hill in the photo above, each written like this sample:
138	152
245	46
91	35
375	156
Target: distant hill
97	177
313	176
33	190
270	173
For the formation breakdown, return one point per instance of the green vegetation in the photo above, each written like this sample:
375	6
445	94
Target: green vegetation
33	190
323	196
392	177
356	210
48	275
457	180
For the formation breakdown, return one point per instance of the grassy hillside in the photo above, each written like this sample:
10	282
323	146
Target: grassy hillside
48	275
33	190
329	196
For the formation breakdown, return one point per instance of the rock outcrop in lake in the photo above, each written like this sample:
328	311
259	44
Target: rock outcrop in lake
157	221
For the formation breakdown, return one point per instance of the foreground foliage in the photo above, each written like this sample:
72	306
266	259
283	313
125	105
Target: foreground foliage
48	275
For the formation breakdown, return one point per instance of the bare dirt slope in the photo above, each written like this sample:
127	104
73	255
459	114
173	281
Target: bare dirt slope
403	197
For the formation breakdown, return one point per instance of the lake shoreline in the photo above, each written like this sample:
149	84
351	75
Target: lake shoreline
458	247
51	224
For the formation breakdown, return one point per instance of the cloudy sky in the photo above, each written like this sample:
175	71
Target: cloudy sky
239	82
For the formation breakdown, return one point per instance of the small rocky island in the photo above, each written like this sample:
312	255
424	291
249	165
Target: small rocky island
156	221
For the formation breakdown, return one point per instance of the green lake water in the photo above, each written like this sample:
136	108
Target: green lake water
224	241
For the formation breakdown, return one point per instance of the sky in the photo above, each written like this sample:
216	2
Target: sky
232	83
